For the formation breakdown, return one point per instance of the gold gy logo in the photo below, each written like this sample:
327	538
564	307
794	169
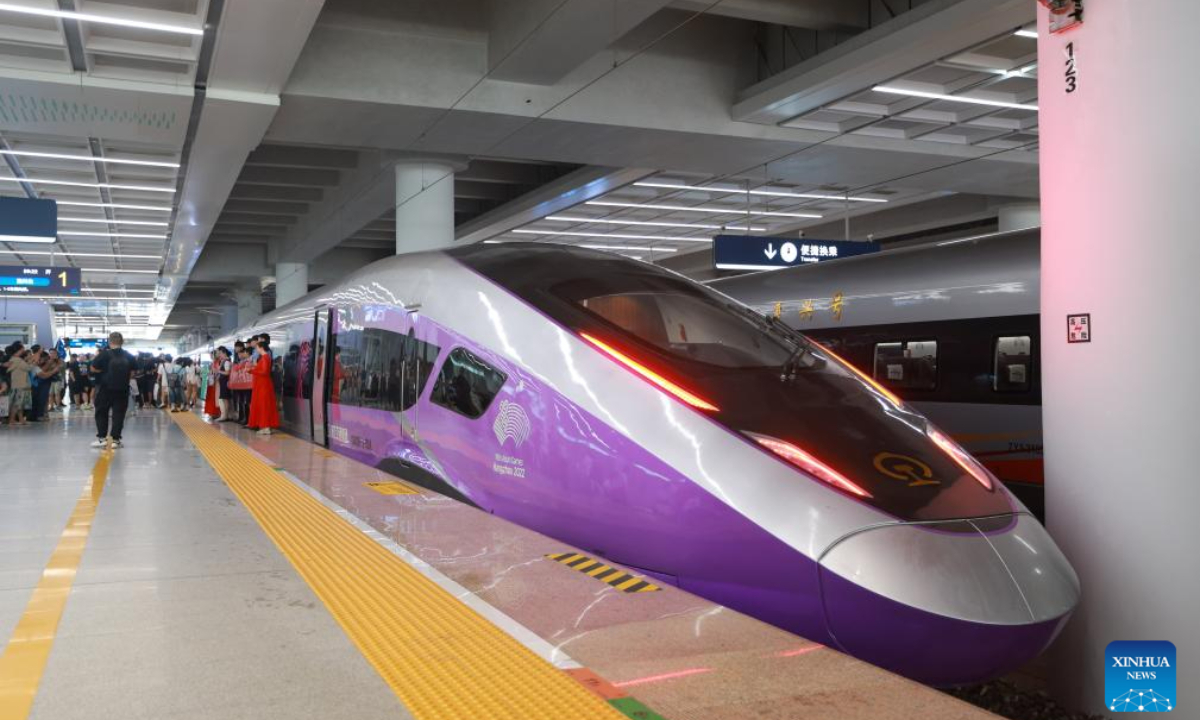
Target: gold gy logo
903	467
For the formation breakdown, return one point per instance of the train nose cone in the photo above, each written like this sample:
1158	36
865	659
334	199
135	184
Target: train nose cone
951	602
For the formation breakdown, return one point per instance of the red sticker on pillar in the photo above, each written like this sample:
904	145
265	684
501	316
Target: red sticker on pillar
1079	328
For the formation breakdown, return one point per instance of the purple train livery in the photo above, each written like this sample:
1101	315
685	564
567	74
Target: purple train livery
655	422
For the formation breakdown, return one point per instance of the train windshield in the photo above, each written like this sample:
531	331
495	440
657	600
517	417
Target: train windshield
690	325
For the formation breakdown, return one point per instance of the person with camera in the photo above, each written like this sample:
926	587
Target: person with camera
112	369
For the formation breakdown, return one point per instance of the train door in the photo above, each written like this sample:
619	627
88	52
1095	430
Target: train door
410	372
320	370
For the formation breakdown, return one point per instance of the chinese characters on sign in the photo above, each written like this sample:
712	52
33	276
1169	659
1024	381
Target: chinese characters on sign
1079	328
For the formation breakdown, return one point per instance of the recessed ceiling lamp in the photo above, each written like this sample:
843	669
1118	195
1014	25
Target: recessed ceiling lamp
88	158
701	209
952	98
26	239
1026	34
654	223
74	183
73	233
100	19
114	222
619	236
118	206
628	248
757	191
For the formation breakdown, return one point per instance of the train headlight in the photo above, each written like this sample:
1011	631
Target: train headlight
809	464
960	456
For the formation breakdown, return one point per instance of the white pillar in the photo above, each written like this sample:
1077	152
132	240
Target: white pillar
1119	242
249	306
291	282
424	204
1019	216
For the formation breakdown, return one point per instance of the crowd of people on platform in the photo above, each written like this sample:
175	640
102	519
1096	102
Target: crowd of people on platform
36	383
243	390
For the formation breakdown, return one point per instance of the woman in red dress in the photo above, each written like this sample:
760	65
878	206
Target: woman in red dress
210	395
264	410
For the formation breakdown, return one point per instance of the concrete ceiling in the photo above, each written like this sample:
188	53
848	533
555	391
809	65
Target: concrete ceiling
283	113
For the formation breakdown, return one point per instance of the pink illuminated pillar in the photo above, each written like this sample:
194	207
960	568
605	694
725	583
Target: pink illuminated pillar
1120	158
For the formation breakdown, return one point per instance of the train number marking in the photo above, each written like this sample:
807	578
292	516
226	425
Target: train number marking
903	467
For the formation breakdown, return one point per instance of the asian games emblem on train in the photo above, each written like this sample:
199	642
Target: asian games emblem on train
511	423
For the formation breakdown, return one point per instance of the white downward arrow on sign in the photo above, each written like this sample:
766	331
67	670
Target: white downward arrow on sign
770	251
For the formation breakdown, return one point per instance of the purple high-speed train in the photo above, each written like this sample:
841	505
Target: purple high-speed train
655	422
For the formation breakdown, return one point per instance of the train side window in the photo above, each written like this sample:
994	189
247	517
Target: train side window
466	384
380	369
1012	365
907	365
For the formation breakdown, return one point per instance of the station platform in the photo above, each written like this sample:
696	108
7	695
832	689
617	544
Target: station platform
203	571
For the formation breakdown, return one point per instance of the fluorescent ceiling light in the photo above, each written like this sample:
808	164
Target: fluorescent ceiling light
100	19
620	236
88	158
654	223
1026	34
707	211
26	239
115	235
117	289
115	222
118	206
628	248
73	183
952	98
79	254
756	191
116	270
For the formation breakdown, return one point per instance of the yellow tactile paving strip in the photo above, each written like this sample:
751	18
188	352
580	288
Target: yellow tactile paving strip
25	655
442	659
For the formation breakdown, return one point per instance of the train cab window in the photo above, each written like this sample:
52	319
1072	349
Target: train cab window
1013	364
907	365
466	384
686	324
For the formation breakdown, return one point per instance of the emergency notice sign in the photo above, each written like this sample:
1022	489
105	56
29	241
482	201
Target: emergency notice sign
1079	328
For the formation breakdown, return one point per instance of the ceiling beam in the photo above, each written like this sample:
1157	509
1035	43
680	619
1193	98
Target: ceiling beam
303	157
919	37
567	191
287	177
268	192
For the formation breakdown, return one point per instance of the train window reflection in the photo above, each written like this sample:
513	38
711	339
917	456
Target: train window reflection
1013	364
466	384
380	369
907	365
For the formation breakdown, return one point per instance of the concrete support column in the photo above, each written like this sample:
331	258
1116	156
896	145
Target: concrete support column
1119	243
425	204
249	306
291	282
1020	216
229	319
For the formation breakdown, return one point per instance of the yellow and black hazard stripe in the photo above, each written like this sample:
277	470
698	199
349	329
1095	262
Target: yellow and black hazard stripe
591	567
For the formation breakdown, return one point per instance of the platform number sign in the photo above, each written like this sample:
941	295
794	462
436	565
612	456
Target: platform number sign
1079	328
1072	71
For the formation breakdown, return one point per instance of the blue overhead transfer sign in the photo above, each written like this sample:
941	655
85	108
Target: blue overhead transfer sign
749	252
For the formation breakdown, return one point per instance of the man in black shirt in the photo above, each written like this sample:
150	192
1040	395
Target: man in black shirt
112	369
